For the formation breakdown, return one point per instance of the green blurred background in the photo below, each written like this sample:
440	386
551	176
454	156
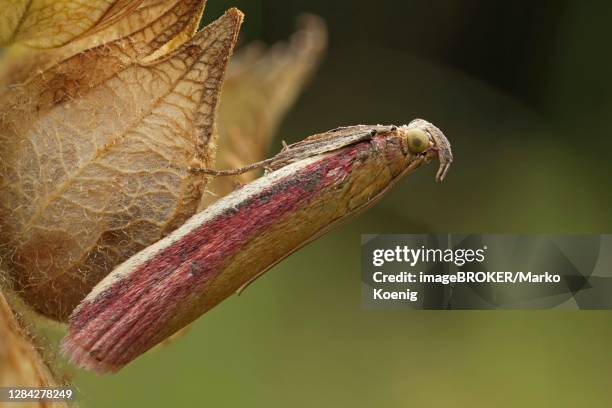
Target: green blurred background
523	91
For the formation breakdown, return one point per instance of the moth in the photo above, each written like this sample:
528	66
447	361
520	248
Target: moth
308	188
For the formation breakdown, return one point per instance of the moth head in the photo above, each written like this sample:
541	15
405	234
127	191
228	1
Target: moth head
437	141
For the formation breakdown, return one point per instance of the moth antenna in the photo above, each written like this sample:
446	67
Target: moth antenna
231	172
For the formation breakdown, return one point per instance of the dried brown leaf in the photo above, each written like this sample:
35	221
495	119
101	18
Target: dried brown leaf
33	49
52	23
48	23
94	152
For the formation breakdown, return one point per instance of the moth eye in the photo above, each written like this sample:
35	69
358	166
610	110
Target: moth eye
417	139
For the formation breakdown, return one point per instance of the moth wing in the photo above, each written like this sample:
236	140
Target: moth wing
337	132
333	139
324	142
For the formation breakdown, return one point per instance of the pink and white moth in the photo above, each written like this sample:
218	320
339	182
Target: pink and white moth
309	188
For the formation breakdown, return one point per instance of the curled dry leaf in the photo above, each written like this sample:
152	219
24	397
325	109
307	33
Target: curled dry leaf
94	149
43	33
261	86
48	23
21	365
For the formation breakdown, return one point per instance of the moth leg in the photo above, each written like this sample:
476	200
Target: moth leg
285	146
